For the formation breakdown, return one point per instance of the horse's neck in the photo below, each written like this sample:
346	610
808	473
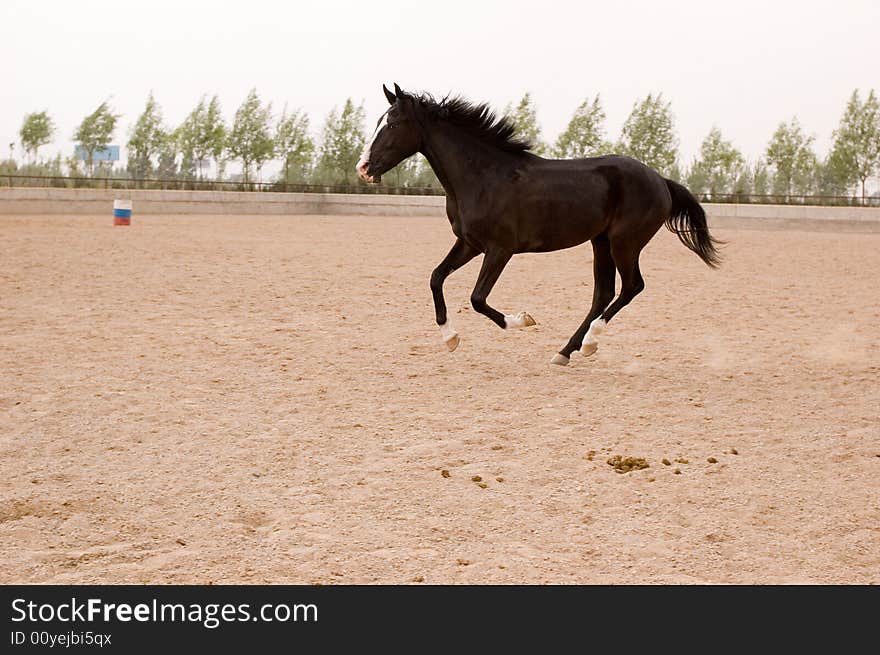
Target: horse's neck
457	157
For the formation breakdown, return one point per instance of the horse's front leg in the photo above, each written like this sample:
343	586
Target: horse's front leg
493	263
459	255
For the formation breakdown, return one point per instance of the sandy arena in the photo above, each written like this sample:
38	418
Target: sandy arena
256	399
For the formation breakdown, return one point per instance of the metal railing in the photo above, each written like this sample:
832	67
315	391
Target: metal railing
65	182
777	199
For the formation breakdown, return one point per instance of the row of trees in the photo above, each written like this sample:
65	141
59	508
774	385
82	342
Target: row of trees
204	138
789	166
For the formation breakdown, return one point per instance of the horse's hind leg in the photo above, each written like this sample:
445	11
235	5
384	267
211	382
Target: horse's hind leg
626	259
603	293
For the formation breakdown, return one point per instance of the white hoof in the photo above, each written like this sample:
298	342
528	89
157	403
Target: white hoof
588	349
560	360
521	320
450	336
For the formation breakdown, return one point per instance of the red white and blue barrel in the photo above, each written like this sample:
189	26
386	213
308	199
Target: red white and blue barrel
122	212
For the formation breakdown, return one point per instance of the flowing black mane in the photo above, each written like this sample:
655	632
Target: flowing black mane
477	119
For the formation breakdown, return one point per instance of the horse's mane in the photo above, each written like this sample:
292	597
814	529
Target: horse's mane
477	119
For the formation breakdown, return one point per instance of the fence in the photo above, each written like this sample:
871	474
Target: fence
770	199
12	180
64	182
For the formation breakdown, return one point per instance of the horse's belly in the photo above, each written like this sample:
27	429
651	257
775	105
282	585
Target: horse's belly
558	233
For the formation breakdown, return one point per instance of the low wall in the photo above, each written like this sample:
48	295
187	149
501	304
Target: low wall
33	200
794	217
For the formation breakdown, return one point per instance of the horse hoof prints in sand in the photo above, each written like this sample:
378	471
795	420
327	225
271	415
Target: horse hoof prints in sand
503	200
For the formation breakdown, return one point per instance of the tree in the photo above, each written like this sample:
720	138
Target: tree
761	181
342	142
742	183
250	139
201	134
525	117
414	172
719	163
147	137
168	151
828	179
792	159
294	145
855	153
697	179
649	135
585	134
96	131
216	134
37	130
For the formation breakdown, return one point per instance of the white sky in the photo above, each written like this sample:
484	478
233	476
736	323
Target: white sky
744	65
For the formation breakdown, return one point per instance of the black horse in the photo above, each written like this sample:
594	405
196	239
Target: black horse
502	200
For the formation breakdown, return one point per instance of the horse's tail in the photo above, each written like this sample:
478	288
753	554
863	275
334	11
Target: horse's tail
688	220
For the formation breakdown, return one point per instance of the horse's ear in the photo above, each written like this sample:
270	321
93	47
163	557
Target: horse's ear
389	95
397	90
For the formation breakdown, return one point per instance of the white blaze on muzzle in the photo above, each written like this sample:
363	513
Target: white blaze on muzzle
365	155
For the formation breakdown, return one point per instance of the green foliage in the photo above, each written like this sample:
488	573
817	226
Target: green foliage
147	137
855	153
789	153
216	132
585	134
96	131
251	139
742	183
649	135
48	168
525	117
827	180
166	167
789	167
413	172
718	166
37	130
761	179
696	180
203	134
294	145
342	142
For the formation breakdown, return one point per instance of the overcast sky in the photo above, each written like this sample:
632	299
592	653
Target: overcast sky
743	65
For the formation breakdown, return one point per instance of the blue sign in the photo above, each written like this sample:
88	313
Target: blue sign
110	153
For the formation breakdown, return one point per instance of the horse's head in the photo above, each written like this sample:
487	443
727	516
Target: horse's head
397	136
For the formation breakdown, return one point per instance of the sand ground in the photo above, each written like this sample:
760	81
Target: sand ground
256	399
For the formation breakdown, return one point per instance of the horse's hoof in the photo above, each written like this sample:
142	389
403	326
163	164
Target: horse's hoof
560	360
521	320
452	342
589	348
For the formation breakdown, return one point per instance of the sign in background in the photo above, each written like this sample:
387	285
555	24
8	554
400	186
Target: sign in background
110	153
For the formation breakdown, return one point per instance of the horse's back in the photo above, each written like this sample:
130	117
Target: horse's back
565	202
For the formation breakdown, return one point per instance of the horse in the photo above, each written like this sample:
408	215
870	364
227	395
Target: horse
502	200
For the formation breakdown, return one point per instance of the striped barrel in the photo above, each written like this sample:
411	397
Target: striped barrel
122	212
